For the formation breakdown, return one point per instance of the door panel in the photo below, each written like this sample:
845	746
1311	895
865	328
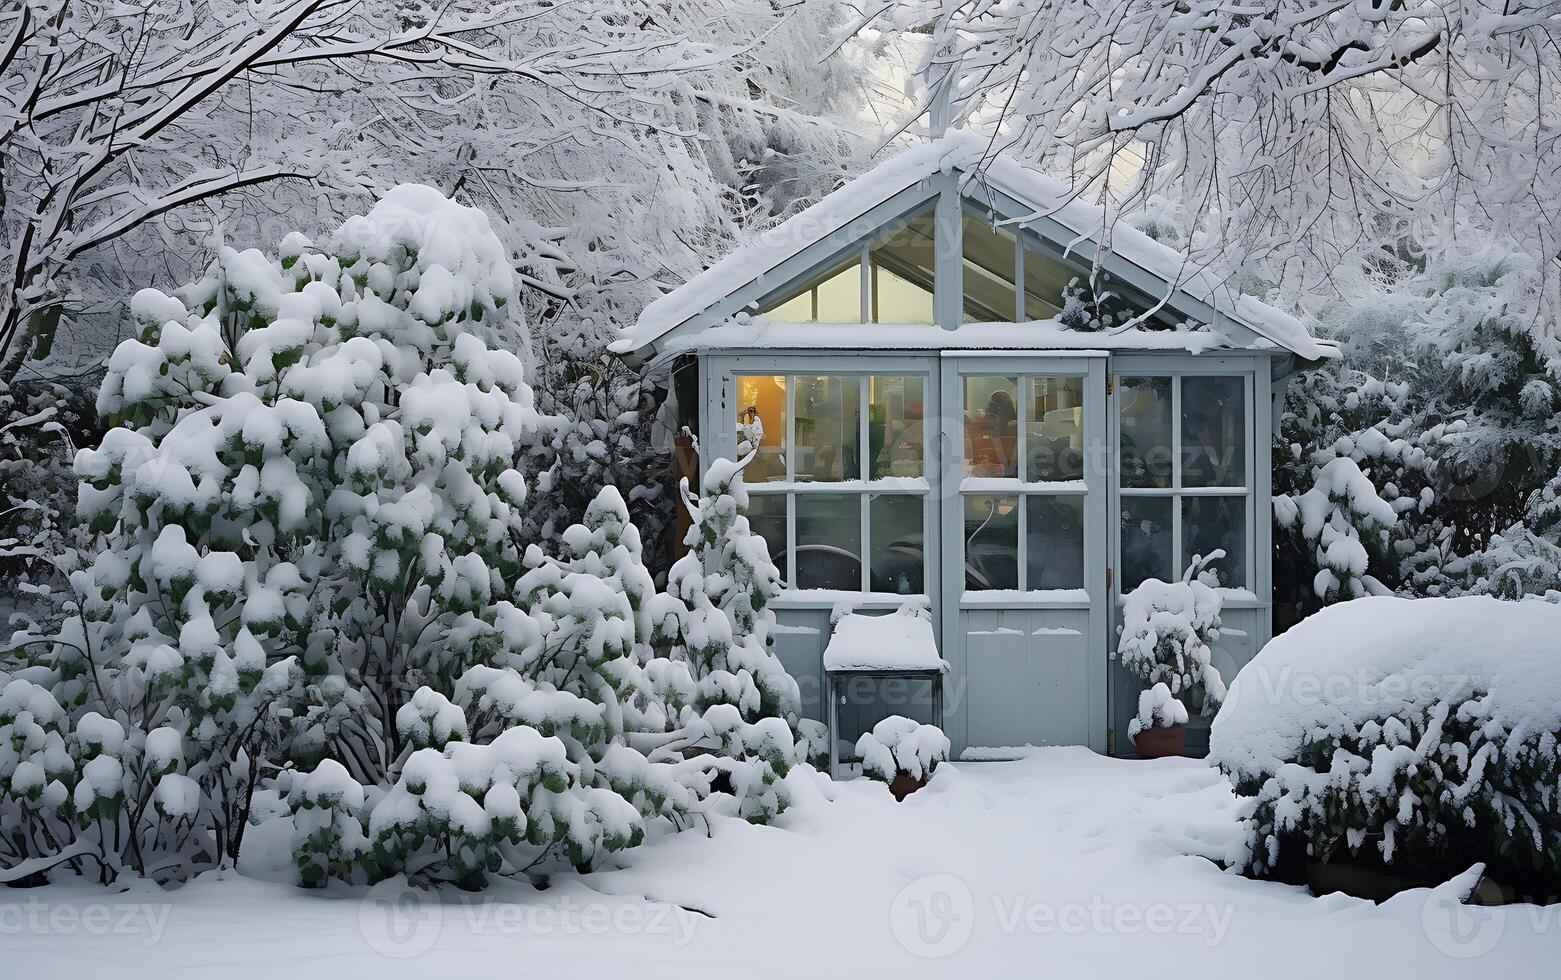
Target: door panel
1032	660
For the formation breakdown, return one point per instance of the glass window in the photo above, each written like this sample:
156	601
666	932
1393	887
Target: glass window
902	263
1146	540
828	504
1210	523
991	419
898	300
898	539
988	272
1181	502
1054	545
1214	431
895	427
829	541
1044	280
761	398
1054	429
839	298
991	542
1144	405
828	427
767	519
833	296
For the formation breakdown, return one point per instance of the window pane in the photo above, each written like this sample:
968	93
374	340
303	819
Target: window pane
1209	523
1054	433
1146	540
828	427
836	293
829	541
762	398
1044	279
903	264
897	300
894	426
1214	431
840	296
1054	550
991	543
989	273
896	563
767	519
1145	408
991	427
798	309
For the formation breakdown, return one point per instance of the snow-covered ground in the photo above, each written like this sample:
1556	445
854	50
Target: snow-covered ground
1061	864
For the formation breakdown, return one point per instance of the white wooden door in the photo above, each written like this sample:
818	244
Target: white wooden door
1024	477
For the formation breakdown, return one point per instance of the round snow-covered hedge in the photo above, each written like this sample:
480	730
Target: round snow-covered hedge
1421	733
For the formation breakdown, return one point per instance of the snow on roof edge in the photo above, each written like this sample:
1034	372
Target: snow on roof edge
961	149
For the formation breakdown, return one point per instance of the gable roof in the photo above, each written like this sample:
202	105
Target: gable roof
1076	224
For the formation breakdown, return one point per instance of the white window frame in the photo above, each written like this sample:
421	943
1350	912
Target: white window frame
1019	487
865	489
1176	493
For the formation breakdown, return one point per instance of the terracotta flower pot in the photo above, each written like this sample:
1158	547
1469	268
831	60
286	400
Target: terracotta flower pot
904	784
1161	743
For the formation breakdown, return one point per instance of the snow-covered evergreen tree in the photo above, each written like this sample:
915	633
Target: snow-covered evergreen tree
308	499
727	581
1433	443
1168	631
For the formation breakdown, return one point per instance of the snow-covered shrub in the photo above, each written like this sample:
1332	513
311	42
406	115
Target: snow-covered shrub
725	585
901	746
79	788
1343	521
1445	400
1168	631
601	435
456	814
813	743
1420	733
308	500
1157	708
726	582
328	838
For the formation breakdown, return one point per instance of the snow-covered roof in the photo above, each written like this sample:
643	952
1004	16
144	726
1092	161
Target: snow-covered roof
960	151
898	641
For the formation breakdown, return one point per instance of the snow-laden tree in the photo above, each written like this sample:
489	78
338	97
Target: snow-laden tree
308	499
726	582
129	137
1306	134
1434	442
1167	639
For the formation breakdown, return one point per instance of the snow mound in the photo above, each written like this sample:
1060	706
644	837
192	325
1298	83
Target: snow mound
1360	661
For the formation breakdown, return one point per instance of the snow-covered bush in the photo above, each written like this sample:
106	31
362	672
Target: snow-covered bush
328	838
901	746
1419	733
1343	521
1445	403
1157	708
1168	631
726	582
308	500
